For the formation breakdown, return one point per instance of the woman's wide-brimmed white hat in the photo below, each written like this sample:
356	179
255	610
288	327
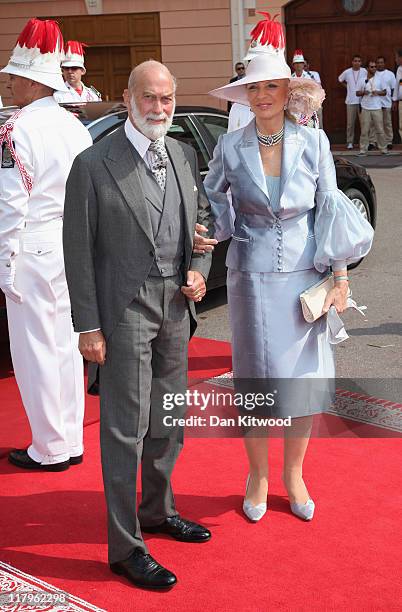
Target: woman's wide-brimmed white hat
261	68
267	63
74	55
38	53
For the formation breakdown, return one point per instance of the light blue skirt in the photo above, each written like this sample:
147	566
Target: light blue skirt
272	340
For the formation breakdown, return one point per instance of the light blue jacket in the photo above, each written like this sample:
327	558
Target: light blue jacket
316	224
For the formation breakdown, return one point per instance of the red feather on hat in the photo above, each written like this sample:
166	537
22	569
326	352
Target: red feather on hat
298	52
270	31
75	47
44	35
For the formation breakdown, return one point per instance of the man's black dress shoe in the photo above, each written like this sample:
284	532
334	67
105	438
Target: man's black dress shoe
142	570
180	529
21	459
76	460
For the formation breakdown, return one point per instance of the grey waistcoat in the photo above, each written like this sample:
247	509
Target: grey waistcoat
167	219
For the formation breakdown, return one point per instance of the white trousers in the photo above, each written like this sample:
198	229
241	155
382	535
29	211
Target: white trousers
44	347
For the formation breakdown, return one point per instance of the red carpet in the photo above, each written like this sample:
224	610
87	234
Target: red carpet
207	358
348	557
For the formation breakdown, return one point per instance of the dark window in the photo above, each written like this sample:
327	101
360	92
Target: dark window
183	129
215	124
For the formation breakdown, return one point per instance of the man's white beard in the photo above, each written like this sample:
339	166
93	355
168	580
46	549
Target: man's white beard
153	132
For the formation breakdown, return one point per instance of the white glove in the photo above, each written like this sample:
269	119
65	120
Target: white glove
7	282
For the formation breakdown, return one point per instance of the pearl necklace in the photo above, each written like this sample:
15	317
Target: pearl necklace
269	140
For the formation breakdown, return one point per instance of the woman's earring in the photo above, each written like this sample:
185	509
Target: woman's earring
285	107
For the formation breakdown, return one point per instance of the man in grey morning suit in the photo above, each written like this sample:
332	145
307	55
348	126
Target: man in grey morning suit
132	202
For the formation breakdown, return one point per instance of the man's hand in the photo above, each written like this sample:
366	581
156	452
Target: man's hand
195	288
92	346
202	245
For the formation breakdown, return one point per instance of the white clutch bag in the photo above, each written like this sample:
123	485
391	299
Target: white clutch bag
312	300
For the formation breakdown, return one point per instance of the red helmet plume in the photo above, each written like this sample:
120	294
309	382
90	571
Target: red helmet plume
268	31
43	35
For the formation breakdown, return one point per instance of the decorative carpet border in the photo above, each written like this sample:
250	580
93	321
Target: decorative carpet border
348	405
21	592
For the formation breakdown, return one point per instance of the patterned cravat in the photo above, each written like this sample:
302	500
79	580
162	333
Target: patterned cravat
158	168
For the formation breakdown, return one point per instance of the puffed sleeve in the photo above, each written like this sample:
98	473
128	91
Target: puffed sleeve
343	235
216	186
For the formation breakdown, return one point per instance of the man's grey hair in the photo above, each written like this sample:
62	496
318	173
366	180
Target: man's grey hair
148	63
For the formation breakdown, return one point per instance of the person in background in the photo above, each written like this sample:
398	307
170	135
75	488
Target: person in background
73	70
299	64
371	89
397	97
350	79
240	68
313	73
39	144
386	102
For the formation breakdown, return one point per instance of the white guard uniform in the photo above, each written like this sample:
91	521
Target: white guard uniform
87	95
47	364
305	75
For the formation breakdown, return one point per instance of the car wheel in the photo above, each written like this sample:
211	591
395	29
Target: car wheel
360	202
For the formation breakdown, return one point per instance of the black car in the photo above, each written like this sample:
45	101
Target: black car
201	127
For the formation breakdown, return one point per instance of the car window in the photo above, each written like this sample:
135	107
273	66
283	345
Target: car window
183	129
215	124
106	125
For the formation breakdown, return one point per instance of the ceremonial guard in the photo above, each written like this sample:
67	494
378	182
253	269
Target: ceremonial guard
38	144
73	70
299	64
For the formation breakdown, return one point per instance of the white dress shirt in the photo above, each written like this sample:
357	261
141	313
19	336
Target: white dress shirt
398	85
351	78
376	83
389	80
141	143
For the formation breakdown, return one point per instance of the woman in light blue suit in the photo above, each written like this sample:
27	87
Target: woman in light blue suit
292	225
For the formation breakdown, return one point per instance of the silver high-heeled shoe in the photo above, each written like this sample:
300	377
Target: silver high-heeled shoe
254	513
303	511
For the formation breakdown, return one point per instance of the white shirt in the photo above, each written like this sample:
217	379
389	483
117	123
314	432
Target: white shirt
240	115
351	78
398	85
141	143
46	139
87	95
376	83
389	81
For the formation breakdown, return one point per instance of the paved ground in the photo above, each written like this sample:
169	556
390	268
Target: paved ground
374	349
373	159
